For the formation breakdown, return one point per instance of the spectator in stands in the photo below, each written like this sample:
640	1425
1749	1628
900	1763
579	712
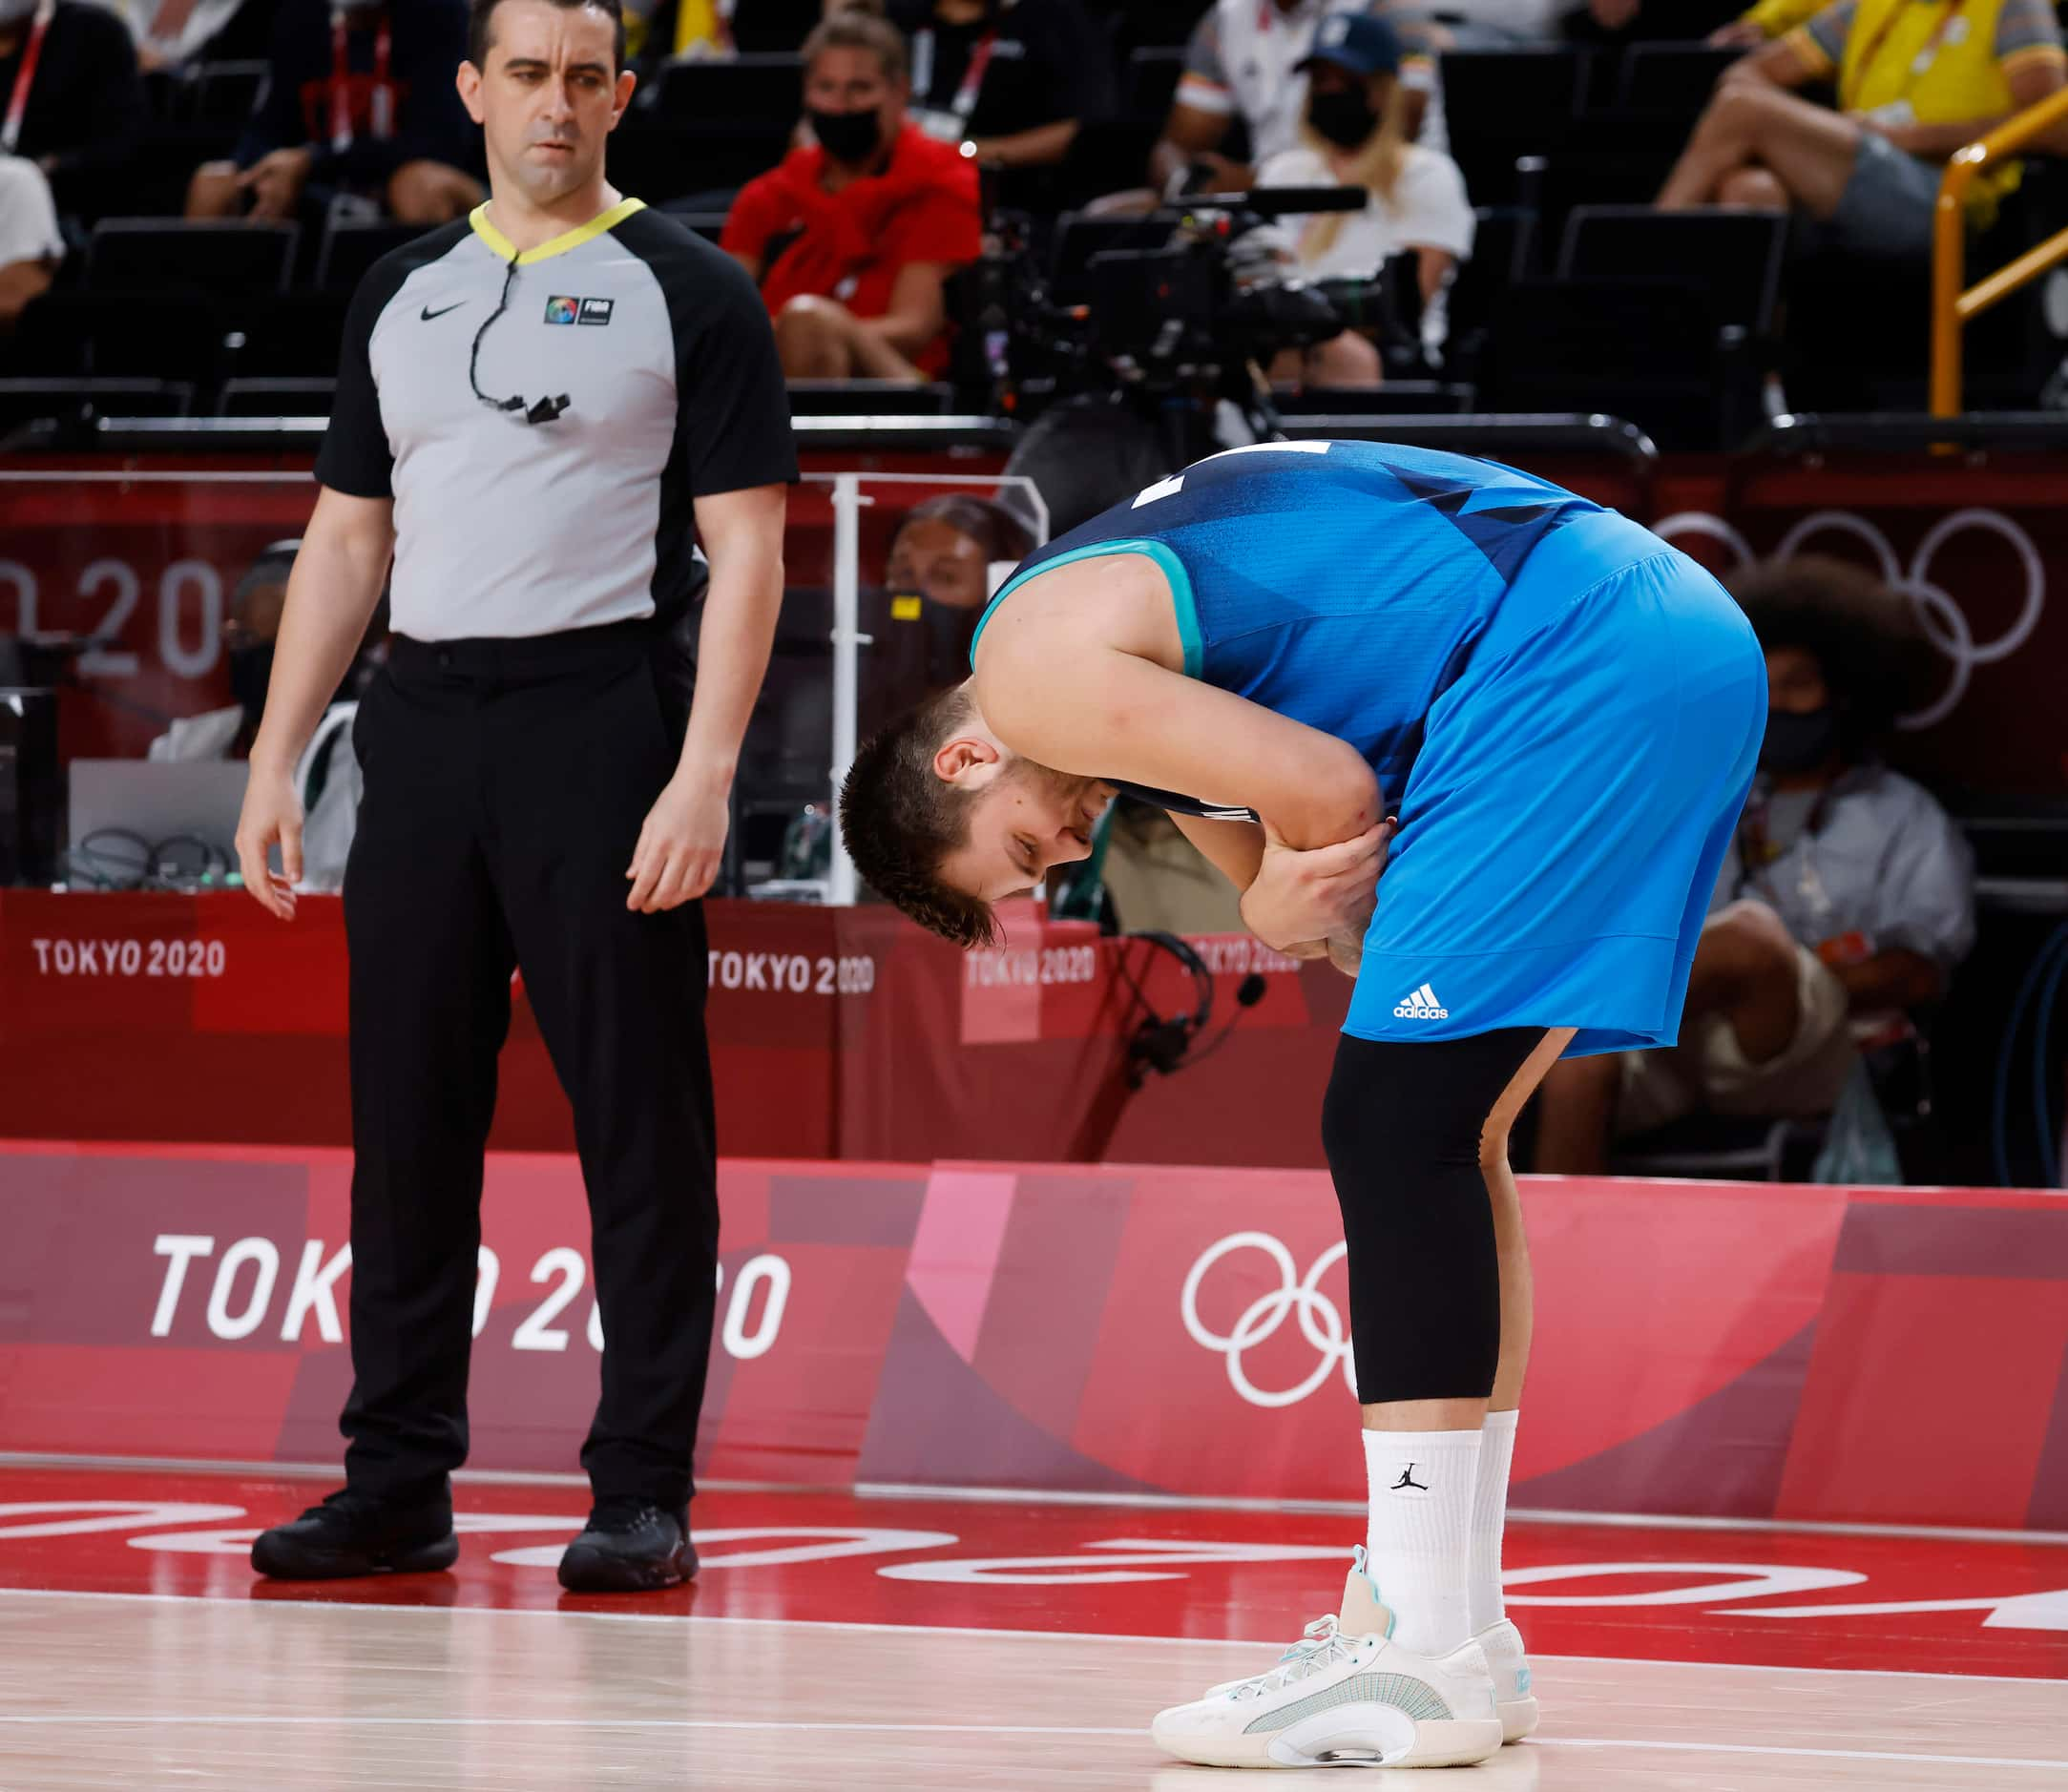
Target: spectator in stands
327	776
852	236
31	244
1915	84
1243	61
359	100
953	551
174	33
949	557
1356	130
71	99
1014	77
1848	896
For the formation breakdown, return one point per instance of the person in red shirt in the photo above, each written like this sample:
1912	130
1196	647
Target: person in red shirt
851	238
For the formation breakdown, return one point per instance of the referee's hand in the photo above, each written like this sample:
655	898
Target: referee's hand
679	846
271	816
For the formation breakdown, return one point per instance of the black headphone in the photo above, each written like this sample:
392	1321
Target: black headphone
1159	1043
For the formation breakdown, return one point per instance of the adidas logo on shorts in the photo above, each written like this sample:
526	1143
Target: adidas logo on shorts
1421	1004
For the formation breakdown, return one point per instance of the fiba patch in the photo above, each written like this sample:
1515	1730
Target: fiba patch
563	308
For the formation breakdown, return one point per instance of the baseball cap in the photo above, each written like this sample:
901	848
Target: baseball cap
1355	41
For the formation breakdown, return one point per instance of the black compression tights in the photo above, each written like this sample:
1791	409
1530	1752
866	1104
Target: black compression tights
1401	1126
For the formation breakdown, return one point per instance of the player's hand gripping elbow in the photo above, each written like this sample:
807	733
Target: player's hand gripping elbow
271	816
1321	895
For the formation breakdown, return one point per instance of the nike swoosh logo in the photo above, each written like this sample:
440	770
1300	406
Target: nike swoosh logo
427	314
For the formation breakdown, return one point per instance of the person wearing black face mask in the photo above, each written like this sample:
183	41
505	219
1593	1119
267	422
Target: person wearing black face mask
1356	134
851	238
1847	899
328	775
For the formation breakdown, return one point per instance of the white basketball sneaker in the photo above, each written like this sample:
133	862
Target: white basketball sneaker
1345	1695
1502	1646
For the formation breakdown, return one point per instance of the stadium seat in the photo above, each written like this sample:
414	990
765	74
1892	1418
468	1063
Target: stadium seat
748	89
1504	104
297	335
70	333
1504	250
662	162
276	397
1152	81
1673	80
353	245
142	253
1736	256
773	27
225	93
1652	351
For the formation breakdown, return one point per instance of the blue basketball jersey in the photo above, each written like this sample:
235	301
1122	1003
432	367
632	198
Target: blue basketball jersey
1340	583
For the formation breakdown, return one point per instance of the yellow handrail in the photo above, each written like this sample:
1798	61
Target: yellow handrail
1952	307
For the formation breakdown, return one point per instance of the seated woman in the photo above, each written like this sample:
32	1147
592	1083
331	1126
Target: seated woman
1357	136
1916	83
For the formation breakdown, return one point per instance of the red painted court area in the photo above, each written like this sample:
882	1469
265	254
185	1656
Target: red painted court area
1720	1594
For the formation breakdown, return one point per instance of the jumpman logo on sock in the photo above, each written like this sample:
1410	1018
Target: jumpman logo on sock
1407	1480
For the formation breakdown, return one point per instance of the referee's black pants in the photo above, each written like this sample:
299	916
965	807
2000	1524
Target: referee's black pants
506	783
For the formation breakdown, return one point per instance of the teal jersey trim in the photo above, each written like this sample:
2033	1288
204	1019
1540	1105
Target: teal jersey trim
1174	569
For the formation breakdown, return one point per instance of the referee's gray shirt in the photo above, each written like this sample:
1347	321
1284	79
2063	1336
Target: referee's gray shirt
507	528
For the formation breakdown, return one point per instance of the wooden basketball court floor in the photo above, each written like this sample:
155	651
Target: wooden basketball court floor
886	1639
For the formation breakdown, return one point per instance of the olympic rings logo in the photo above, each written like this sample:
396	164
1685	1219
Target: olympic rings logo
1320	1324
1944	622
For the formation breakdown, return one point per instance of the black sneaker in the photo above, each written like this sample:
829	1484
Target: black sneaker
351	1535
629	1546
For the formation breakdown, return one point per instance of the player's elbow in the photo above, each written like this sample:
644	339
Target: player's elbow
1337	800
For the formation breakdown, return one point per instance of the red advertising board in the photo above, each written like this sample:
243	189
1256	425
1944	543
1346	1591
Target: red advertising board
1737	1351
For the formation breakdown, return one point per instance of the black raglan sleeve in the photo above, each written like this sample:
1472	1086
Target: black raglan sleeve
356	458
732	426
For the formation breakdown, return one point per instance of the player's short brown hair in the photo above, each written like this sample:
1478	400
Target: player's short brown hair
481	34
899	818
859	31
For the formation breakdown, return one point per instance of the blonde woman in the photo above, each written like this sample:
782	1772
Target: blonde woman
1356	134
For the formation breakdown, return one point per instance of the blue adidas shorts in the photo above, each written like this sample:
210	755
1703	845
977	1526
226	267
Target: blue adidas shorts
1563	826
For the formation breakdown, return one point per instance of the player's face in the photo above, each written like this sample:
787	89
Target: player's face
1023	819
550	96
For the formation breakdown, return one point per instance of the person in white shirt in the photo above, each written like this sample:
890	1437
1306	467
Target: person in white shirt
1356	134
30	244
1245	60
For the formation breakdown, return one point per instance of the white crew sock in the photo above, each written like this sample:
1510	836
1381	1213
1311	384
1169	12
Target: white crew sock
1489	1517
1422	1485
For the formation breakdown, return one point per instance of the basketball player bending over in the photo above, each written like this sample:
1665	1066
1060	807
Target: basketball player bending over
1566	712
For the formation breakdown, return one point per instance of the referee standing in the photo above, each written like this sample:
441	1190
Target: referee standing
540	408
